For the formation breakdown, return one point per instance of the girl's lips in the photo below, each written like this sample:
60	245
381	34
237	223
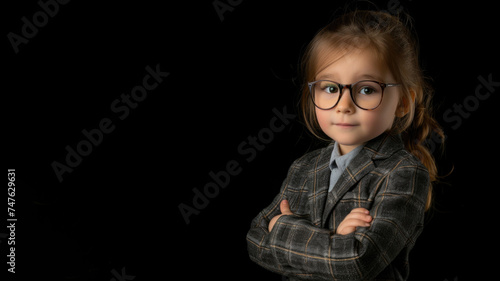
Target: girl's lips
344	124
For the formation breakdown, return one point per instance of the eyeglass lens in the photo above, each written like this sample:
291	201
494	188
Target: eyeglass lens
365	94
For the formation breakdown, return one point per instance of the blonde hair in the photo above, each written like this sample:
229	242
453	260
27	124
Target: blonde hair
393	42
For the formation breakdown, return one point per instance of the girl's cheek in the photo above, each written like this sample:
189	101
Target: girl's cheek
378	121
323	119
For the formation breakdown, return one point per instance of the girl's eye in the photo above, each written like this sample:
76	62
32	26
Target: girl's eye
330	88
366	90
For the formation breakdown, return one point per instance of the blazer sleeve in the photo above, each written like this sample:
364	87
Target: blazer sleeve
259	238
296	247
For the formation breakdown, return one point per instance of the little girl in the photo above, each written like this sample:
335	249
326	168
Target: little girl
354	209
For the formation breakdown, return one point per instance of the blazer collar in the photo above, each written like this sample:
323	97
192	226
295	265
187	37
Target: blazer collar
383	146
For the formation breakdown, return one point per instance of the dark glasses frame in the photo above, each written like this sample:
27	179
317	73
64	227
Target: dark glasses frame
350	86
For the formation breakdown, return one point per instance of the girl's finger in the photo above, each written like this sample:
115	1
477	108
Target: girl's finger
360	210
359	216
285	207
355	223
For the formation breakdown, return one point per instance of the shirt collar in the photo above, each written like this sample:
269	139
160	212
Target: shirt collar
342	161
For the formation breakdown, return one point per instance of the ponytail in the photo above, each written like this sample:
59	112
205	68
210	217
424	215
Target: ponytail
416	127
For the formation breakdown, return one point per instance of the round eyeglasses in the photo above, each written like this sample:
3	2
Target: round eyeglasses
365	94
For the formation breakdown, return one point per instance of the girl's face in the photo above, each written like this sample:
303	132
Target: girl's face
346	123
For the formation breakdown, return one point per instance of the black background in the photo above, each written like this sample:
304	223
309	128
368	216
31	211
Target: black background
118	210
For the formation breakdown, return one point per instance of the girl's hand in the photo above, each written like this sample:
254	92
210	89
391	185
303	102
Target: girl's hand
285	210
357	217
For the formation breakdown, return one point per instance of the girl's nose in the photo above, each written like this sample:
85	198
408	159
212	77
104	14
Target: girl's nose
345	104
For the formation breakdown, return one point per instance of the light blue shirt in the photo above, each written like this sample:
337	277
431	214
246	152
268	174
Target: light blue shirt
338	163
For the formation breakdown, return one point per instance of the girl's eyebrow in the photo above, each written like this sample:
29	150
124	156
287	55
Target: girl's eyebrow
358	78
324	76
370	77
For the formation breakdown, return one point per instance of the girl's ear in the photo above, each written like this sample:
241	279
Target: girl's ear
405	105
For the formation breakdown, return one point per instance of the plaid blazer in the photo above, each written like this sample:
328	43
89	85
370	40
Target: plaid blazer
383	178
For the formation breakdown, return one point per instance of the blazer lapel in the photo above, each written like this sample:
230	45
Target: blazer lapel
377	149
319	176
352	174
